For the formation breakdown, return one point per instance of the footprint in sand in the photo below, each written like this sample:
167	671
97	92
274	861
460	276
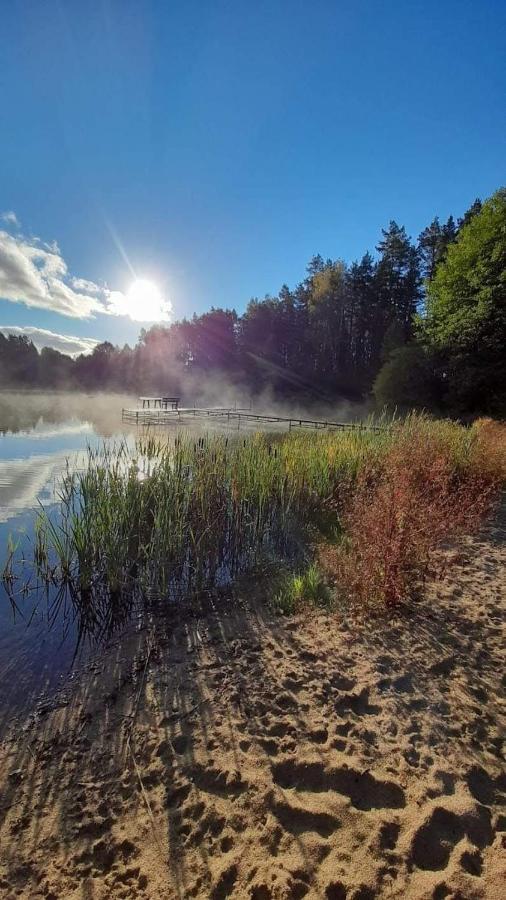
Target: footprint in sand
388	835
364	791
435	839
217	781
297	820
225	883
484	788
358	703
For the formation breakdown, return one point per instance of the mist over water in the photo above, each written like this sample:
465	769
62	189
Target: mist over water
41	433
36	412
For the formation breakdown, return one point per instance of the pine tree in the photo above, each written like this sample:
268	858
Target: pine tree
473	211
397	280
433	244
363	316
429	244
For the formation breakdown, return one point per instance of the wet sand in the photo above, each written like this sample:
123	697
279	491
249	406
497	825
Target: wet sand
243	755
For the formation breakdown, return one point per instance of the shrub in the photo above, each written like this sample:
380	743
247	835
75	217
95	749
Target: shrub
436	481
407	379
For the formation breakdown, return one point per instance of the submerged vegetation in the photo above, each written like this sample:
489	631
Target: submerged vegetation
367	507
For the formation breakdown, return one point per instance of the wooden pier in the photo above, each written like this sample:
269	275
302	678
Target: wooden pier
159	416
161	402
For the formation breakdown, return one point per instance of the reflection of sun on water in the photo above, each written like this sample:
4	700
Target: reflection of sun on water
144	302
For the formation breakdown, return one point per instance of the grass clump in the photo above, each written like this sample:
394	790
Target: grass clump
305	589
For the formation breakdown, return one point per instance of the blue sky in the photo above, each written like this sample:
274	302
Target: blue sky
214	147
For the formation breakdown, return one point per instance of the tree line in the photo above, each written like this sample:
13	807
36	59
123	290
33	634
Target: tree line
419	323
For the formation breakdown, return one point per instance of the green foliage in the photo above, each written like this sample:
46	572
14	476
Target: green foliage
307	588
466	310
406	380
468	292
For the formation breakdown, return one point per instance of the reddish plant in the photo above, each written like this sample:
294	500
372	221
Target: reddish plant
404	508
490	448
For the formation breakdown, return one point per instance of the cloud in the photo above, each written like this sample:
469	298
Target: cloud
10	218
65	343
25	480
35	273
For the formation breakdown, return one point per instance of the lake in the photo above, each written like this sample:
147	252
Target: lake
42	434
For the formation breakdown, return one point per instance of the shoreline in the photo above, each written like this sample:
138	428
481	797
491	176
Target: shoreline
239	754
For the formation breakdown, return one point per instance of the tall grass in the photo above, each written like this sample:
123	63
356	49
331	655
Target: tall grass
299	590
170	520
175	519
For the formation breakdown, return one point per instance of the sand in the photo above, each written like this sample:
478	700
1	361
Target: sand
246	755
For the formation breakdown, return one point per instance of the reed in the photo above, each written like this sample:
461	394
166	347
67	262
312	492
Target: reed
173	519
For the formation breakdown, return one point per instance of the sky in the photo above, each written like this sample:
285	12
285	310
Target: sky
212	148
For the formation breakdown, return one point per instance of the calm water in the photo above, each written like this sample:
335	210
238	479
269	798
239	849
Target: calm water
40	435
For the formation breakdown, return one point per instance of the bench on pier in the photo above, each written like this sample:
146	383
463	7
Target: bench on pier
160	402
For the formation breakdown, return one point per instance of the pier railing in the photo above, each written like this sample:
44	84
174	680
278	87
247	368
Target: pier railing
167	416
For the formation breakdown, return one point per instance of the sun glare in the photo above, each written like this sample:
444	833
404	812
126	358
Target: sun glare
144	303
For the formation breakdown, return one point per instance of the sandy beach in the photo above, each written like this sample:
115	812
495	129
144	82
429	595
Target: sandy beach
247	755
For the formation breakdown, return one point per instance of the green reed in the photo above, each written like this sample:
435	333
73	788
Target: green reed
169	519
183	517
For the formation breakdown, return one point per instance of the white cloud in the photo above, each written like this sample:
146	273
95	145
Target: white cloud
10	218
41	337
82	284
35	273
26	481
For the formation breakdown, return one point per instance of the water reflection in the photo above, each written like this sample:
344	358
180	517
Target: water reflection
24	482
32	413
44	632
67	613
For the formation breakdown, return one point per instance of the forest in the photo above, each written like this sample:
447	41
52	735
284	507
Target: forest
416	324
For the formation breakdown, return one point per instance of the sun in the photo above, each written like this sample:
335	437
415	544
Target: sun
144	302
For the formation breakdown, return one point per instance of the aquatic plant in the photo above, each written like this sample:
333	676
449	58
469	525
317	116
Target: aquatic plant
169	519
